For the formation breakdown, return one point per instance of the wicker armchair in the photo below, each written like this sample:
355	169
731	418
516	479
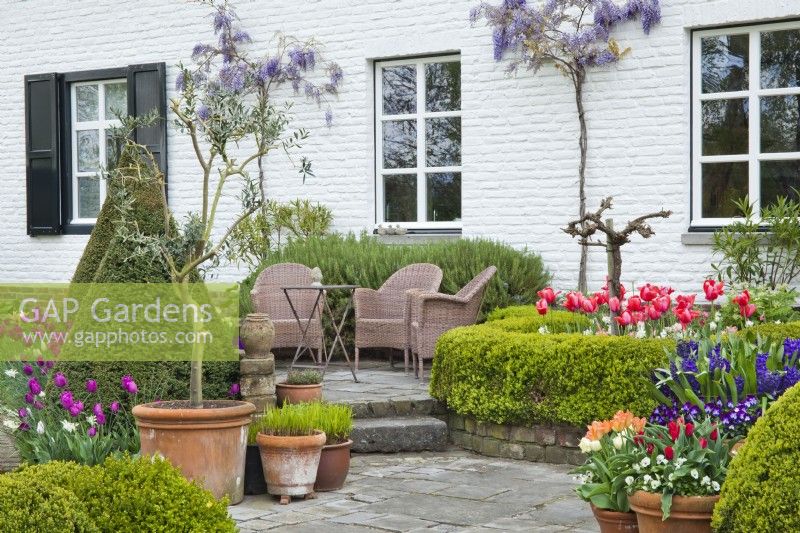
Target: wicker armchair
382	315
268	297
433	314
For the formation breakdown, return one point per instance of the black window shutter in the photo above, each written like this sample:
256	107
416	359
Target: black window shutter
147	90
42	158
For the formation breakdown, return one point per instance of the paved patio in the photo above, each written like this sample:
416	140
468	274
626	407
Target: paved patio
447	491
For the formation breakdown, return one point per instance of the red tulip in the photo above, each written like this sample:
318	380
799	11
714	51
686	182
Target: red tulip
714	435
573	301
685	300
548	295
634	304
653	313
669	453
541	306
638	439
674	430
742	299
624	319
638	316
648	292
589	305
601	297
713	289
689	429
613	304
662	303
650	448
703	442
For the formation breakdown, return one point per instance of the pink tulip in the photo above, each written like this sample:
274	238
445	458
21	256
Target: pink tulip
541	306
613	304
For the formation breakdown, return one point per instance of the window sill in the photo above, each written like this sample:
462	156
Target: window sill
419	236
78	229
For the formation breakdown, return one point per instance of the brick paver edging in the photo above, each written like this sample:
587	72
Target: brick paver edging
556	444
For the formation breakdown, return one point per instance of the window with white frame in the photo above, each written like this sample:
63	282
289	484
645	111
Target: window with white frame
745	118
94	111
418	142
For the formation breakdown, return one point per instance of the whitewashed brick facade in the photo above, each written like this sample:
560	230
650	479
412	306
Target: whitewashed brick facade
519	133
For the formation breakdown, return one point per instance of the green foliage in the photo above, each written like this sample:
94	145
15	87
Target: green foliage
772	332
525	319
755	258
126	495
511	377
762	489
272	226
336	420
775	305
367	262
304	377
291	420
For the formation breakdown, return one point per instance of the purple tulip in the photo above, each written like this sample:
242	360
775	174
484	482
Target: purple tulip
24	426
38	405
22	412
114	407
27	369
34	386
97	409
66	399
92	431
101	418
234	390
129	385
75	409
49	364
91	385
40	361
29	397
60	380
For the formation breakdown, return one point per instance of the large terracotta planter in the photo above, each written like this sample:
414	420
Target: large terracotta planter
254	472
257	333
689	514
290	463
615	521
286	393
334	464
207	444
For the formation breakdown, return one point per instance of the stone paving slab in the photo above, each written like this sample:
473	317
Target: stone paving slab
450	491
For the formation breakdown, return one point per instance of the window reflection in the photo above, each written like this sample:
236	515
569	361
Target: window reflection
443	86
780	59
399	90
725	61
725	126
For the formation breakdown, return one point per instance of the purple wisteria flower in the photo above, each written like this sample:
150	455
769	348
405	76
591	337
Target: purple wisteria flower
203	112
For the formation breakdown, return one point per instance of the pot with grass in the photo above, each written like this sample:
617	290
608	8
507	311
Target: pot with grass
254	483
301	386
336	420
290	446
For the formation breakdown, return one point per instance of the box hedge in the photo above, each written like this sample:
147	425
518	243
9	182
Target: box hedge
525	319
496	373
762	491
773	332
125	495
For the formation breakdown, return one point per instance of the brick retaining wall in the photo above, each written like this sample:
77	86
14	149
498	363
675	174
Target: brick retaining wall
537	443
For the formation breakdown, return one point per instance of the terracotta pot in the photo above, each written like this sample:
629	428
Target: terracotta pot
254	472
615	521
334	464
290	463
689	514
286	393
257	333
735	448
207	444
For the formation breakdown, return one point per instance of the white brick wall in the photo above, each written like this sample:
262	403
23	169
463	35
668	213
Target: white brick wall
519	134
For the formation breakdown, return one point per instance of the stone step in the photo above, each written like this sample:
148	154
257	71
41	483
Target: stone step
399	434
390	408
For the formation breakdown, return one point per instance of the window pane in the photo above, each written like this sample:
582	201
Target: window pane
444	196
116	100
111	150
88	197
779	178
780	59
86	102
443	142
724	63
88	151
399	144
725	129
400	90
400	198
780	131
723	183
443	86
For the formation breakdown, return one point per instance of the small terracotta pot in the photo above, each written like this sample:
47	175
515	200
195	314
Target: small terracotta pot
286	393
290	463
257	333
334	464
689	514
254	472
736	447
615	521
207	444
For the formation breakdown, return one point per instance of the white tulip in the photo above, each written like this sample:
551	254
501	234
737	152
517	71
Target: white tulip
40	428
11	373
585	445
618	441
